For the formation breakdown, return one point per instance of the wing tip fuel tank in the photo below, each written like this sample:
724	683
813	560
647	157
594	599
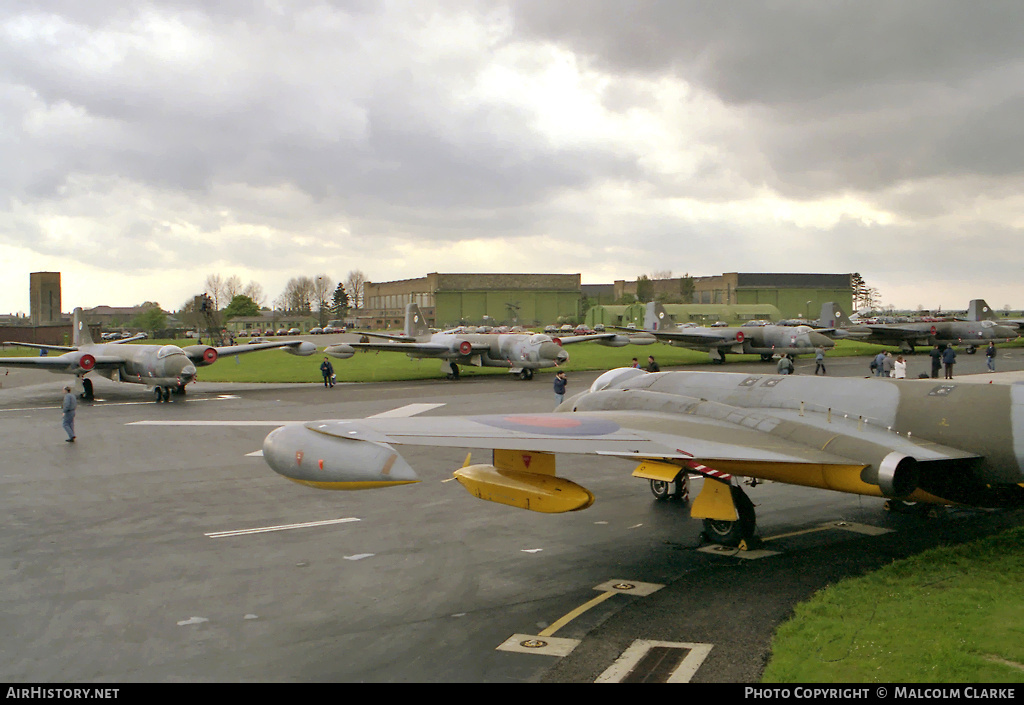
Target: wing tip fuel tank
327	462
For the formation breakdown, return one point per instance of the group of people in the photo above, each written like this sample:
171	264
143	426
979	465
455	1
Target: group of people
561	380
883	365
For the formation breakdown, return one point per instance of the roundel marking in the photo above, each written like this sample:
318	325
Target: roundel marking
933	330
740	337
87	362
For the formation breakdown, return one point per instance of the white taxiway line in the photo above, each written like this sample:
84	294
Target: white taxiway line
405	411
155	422
284	527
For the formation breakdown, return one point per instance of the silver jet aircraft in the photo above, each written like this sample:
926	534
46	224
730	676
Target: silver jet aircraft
519	353
978	310
165	368
904	440
753	338
908	335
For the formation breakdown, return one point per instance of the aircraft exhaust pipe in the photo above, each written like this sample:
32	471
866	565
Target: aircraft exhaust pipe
898	475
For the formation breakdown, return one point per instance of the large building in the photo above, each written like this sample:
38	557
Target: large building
452	299
794	295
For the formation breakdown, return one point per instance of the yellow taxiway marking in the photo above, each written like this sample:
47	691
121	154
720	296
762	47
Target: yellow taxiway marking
545	644
850	526
558	624
283	527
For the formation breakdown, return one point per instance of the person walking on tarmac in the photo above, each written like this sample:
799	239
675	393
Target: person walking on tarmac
327	370
559	385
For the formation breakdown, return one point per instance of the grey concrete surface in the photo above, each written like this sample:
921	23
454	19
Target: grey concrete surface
112	575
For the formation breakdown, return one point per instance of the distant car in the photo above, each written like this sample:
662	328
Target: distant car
294	331
599	328
550	329
566	328
281	331
316	330
111	336
257	339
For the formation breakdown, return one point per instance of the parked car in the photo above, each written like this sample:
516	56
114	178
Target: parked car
316	330
281	331
294	331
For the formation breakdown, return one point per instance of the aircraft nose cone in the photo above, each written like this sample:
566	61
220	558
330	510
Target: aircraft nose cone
553	352
819	340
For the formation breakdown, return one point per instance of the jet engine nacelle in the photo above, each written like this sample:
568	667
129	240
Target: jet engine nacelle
462	347
201	355
539	493
341	351
82	361
304	349
619	341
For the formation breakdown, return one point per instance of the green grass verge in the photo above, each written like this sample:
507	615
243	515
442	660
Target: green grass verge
948	615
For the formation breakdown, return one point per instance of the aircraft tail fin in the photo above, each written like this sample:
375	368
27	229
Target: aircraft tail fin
978	310
415	326
656	317
832	316
80	334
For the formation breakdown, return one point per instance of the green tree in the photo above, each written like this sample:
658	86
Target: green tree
644	289
241	305
339	302
150	320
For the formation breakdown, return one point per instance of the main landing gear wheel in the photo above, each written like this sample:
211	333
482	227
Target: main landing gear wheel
526	374
732	533
970	350
180	390
678	488
766	357
162	393
87	389
454	374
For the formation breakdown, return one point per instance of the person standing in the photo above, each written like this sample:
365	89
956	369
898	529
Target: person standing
652	366
327	370
949	359
879	361
990	356
819	360
68	407
887	365
936	356
785	365
559	384
899	368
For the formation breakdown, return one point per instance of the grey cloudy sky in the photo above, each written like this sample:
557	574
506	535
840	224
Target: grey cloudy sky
148	144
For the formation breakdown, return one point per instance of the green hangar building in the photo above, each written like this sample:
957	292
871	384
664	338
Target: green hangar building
448	300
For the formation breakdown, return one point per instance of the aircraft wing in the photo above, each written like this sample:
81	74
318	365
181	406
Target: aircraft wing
424	349
694	336
569	339
72	362
295	347
40	346
346	452
389	336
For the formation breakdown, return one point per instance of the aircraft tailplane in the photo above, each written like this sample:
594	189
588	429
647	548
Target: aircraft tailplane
415	326
80	334
978	310
656	317
832	316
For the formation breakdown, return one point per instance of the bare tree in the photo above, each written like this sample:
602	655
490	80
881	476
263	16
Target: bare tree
662	274
354	285
254	290
322	288
232	288
299	294
214	288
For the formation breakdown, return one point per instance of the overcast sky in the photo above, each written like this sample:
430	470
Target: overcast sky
148	144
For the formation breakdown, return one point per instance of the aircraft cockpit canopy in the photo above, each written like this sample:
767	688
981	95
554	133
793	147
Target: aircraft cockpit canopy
168	350
988	324
615	377
539	338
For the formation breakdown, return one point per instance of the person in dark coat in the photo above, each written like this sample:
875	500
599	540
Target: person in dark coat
327	370
559	385
936	355
949	359
652	366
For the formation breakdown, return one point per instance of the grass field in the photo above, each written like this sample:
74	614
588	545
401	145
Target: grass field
948	615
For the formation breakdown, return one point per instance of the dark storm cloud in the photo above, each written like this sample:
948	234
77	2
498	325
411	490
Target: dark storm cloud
839	94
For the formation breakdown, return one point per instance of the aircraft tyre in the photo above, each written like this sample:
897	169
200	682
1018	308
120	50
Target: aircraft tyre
526	374
454	374
158	394
180	390
732	533
970	350
766	357
678	488
87	389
